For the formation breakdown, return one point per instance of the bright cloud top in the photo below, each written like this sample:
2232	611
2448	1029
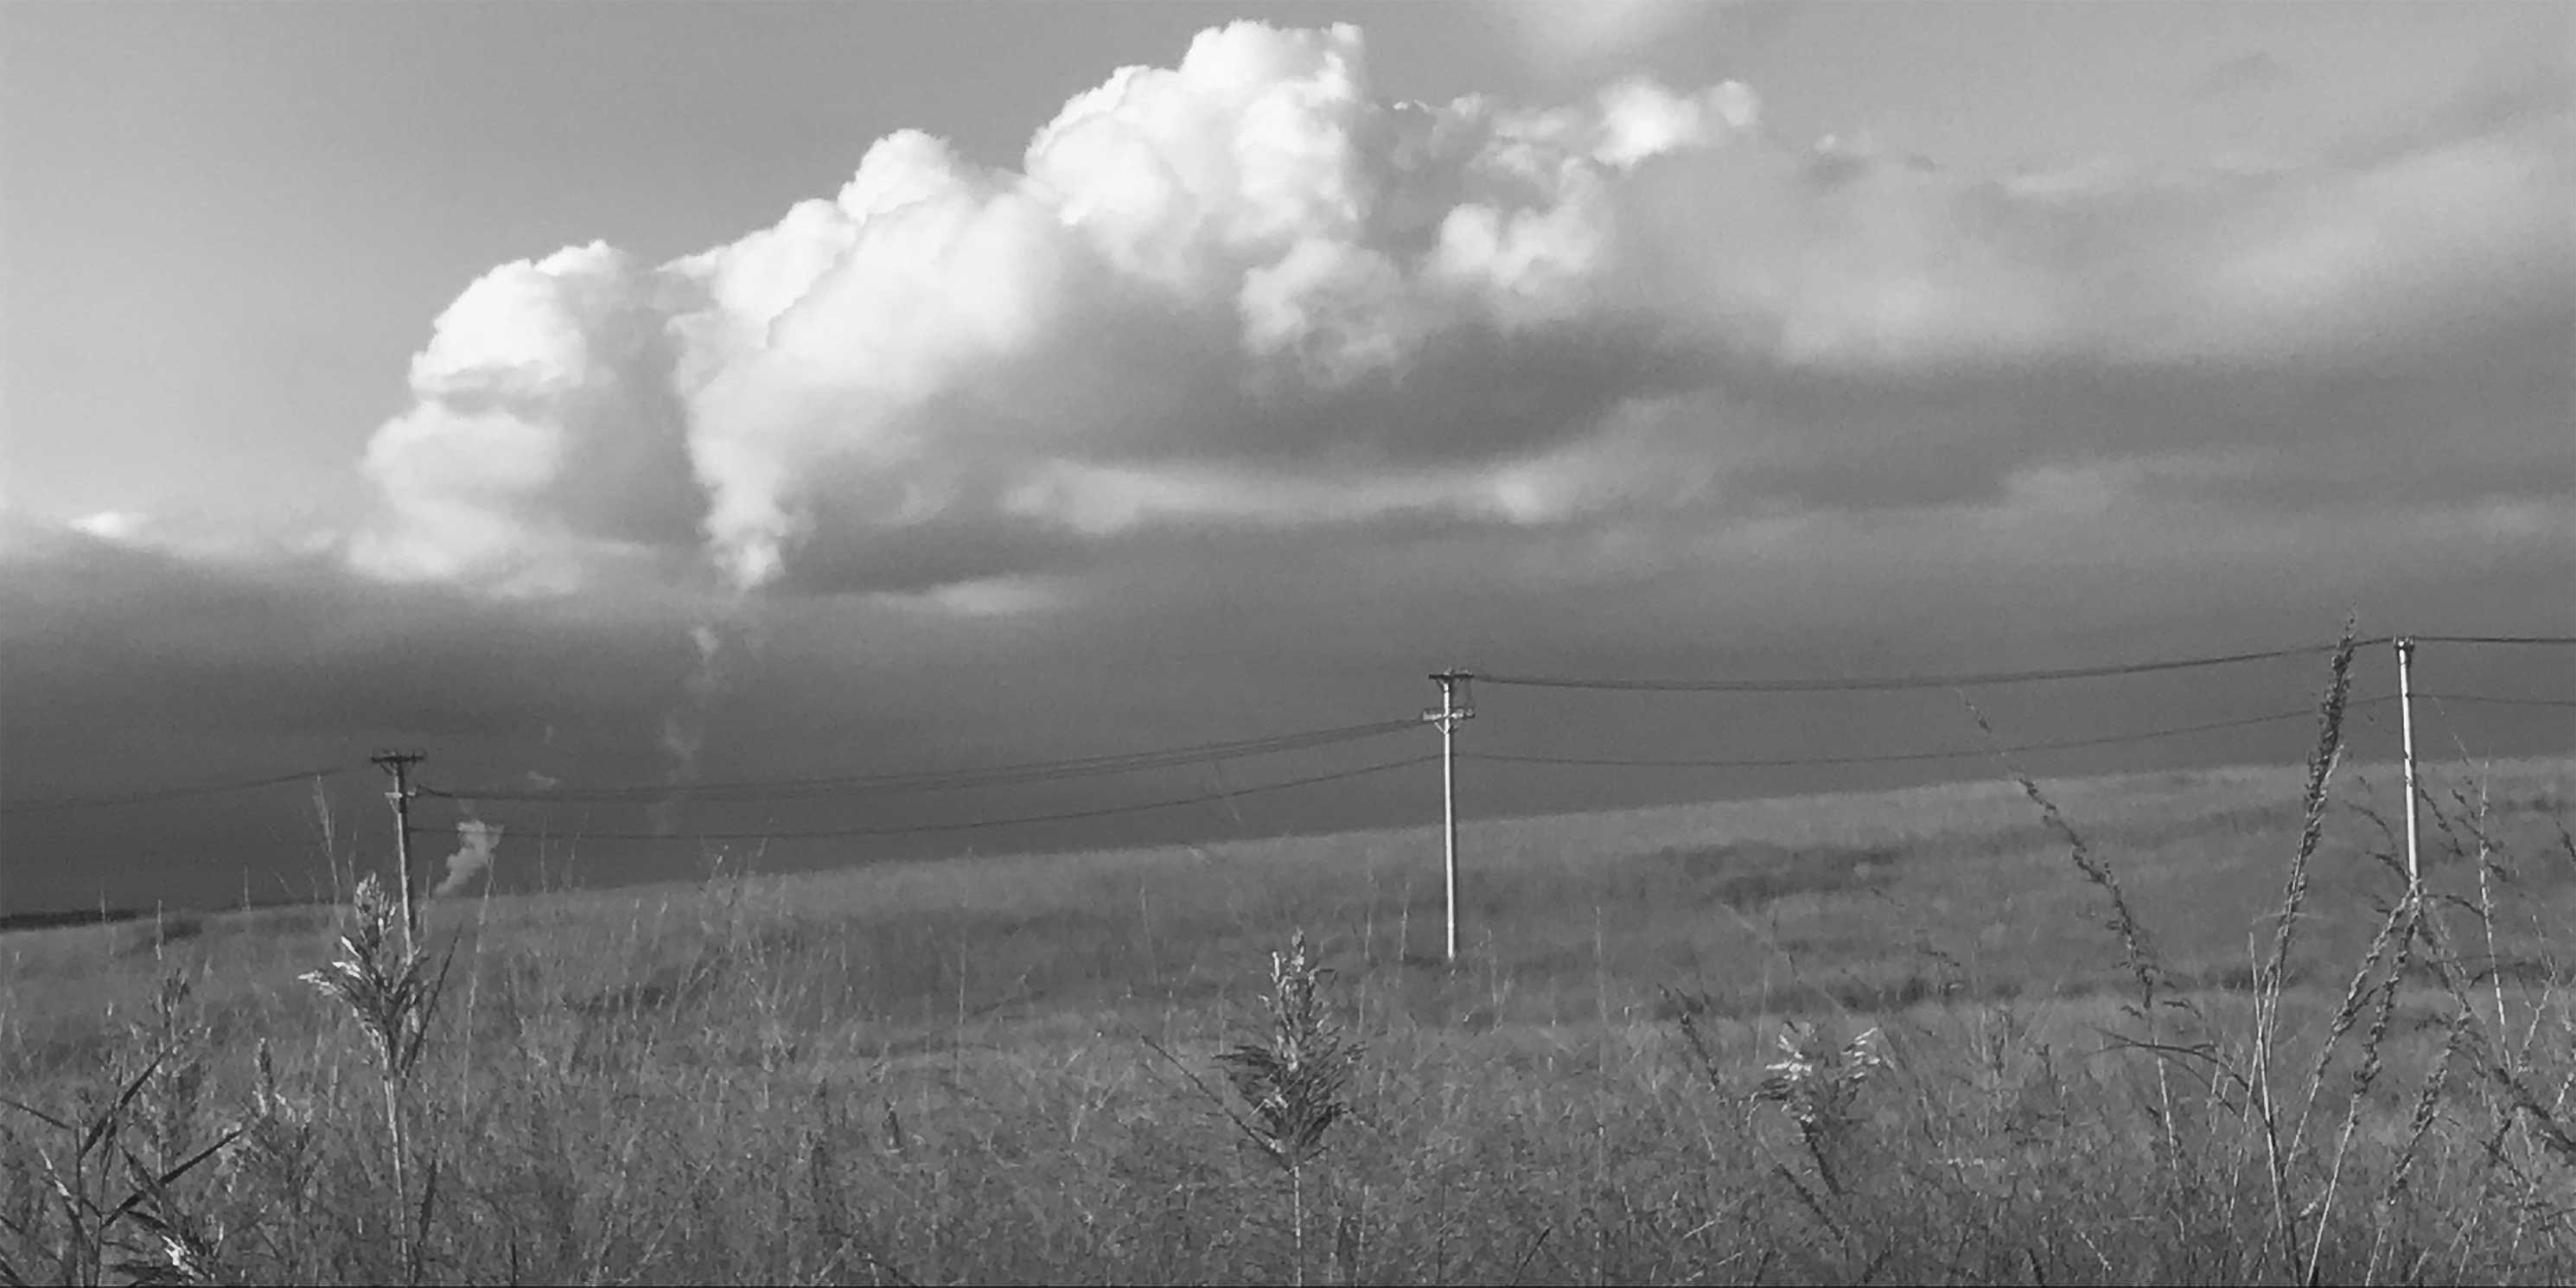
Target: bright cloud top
1246	291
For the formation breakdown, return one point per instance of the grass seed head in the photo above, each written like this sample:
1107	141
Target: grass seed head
1817	1083
1295	1083
391	991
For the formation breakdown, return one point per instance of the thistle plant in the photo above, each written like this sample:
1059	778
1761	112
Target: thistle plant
393	994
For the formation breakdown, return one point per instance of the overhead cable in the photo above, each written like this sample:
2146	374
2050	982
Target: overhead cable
2496	701
965	825
1890	758
1977	679
934	780
2555	640
170	793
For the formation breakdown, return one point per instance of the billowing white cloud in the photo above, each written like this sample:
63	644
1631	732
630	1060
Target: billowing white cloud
544	431
1247	291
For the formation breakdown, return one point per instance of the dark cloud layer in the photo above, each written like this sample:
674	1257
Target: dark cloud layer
152	668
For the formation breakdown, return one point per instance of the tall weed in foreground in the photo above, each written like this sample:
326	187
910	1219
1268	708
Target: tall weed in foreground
2146	968
393	995
1294	1083
2272	973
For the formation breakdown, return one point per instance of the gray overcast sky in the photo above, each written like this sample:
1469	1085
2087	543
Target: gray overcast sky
641	394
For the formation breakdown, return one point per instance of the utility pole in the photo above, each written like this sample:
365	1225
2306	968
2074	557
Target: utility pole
398	764
1457	703
2406	727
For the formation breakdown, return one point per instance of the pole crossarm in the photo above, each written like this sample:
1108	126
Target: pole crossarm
1456	700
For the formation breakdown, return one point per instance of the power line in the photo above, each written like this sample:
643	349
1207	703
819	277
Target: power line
997	774
1509	758
1890	758
1078	767
1883	683
170	793
973	824
2556	640
2498	701
932	780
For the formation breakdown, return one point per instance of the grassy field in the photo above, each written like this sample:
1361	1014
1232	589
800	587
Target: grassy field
1011	1068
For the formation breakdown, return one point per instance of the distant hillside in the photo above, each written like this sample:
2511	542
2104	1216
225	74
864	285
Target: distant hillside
68	917
62	918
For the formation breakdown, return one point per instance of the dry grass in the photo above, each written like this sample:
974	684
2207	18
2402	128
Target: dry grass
947	1072
69	1222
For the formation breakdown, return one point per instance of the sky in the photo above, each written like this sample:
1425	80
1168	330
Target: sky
651	397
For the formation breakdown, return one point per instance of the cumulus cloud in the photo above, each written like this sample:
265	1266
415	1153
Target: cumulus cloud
1248	291
544	432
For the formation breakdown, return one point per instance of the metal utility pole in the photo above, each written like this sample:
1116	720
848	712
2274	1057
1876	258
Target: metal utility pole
398	764
2406	727
1457	703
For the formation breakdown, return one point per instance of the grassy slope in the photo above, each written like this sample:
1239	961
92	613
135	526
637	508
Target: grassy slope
941	1071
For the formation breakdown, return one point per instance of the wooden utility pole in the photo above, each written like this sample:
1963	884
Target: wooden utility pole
398	764
1456	703
2406	727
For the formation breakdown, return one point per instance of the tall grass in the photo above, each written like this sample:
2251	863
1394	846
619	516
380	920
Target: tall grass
393	996
1902	1048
